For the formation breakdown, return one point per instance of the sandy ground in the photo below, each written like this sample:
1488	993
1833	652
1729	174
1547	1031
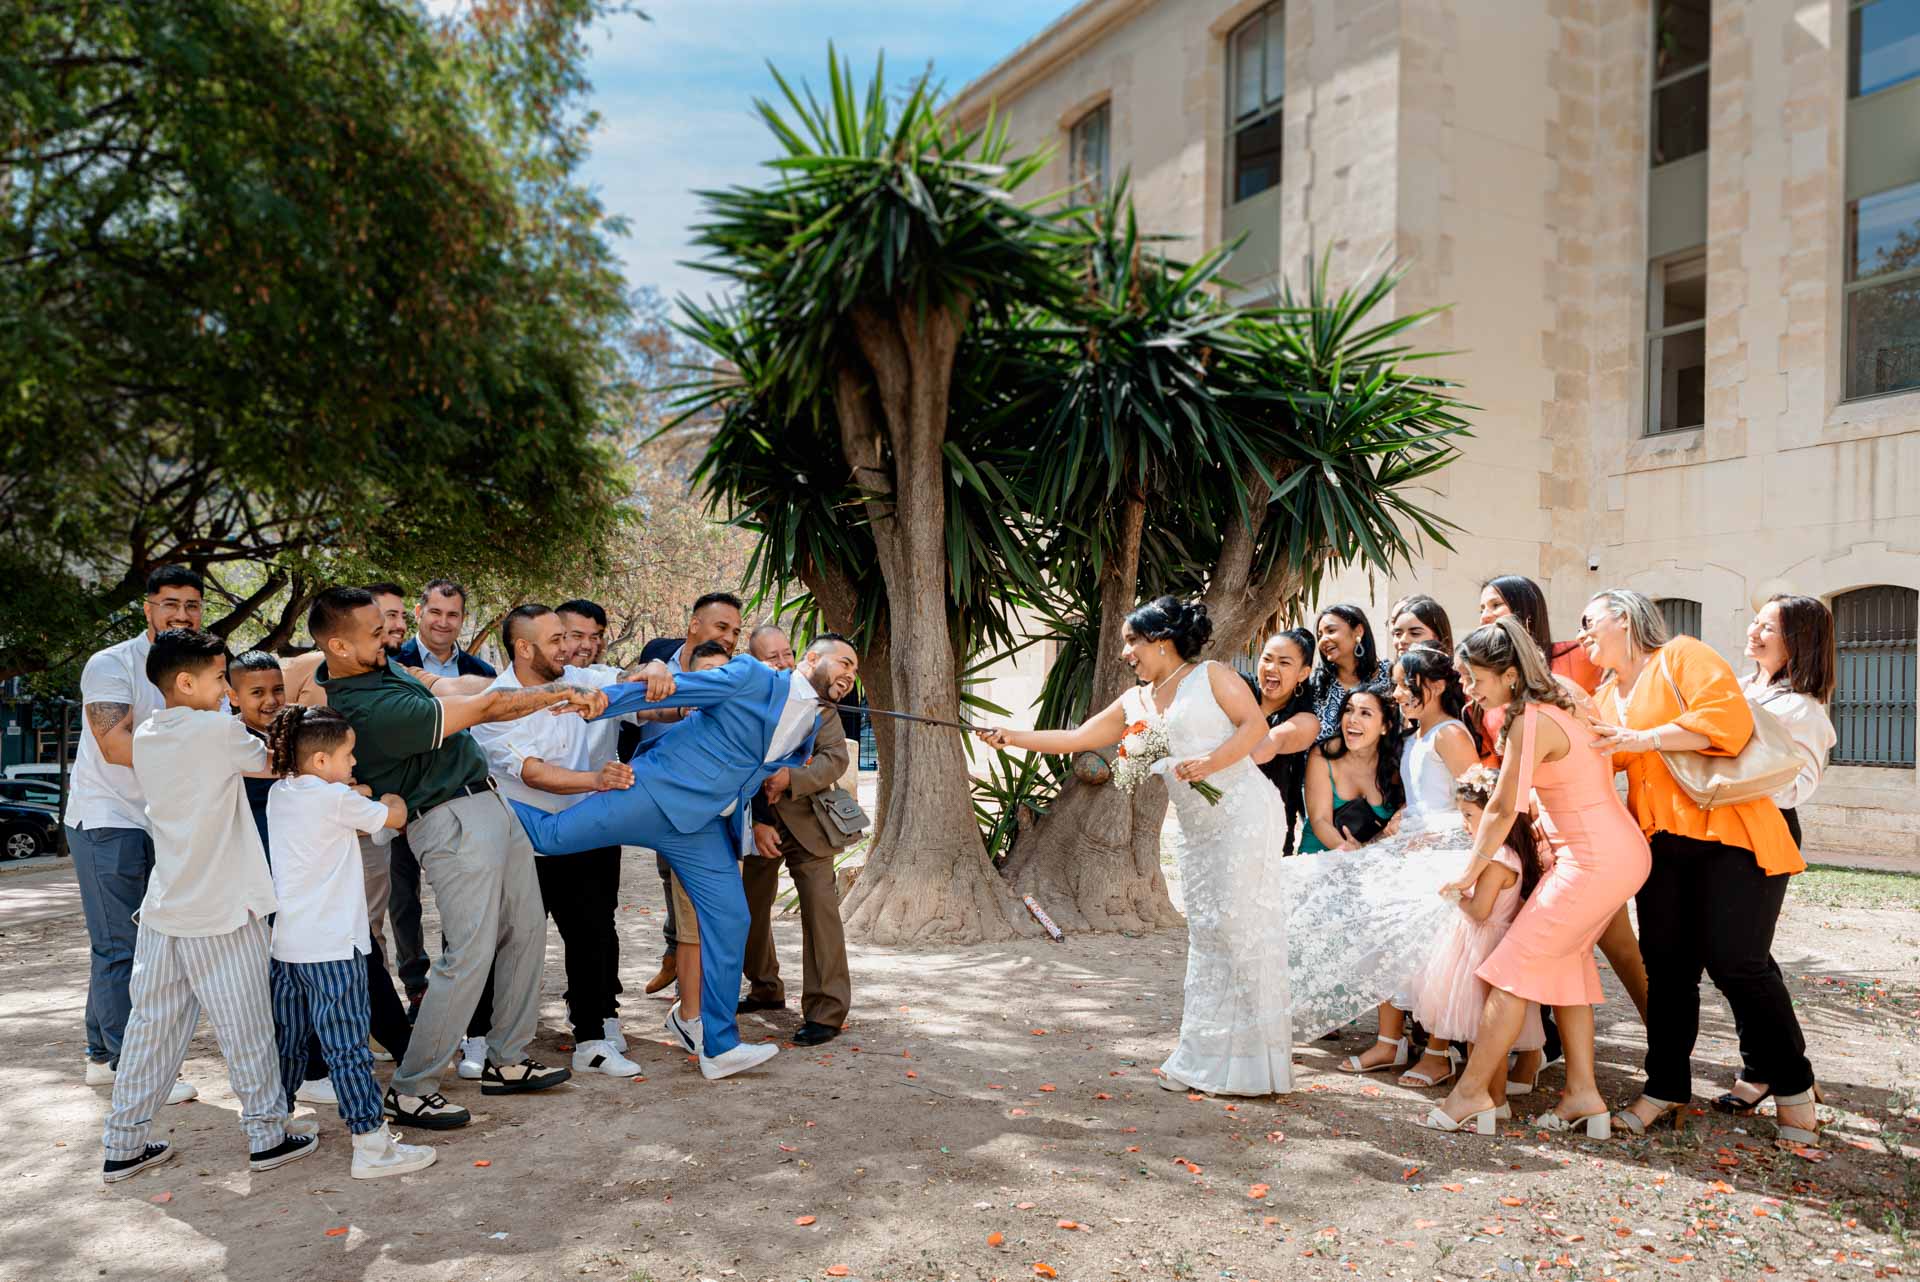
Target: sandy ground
982	1095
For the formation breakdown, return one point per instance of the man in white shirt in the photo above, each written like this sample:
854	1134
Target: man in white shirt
106	816
550	763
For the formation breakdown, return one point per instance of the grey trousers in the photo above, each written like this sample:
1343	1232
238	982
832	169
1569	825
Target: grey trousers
476	857
112	866
174	979
375	870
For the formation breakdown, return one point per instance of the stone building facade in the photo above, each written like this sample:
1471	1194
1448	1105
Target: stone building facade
1679	245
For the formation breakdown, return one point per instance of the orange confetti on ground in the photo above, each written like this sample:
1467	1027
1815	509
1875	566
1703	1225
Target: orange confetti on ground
1410	1172
1513	1201
1048	1086
838	1270
1024	1206
1195	1097
788	1148
1066	1224
1133	1148
1038	1032
805	1220
1102	1095
1426	1224
161	1199
996	1239
339	1232
483	1162
1258	1191
911	1073
1129	1130
1454	1188
1042	1269
1016	1112
1721	1186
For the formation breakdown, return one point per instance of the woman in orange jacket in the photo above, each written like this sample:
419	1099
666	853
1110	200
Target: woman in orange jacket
1719	876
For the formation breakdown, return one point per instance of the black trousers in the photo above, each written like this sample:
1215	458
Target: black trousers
1708	907
580	893
669	932
403	906
388	1022
1748	1072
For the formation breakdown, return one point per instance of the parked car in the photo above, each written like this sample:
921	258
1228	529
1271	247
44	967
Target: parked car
26	831
32	791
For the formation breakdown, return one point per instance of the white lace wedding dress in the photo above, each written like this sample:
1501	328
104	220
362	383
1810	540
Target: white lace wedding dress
1276	945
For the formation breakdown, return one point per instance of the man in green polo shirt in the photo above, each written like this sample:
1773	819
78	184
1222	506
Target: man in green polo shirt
470	845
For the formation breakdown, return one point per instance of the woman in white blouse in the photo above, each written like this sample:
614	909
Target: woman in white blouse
1791	644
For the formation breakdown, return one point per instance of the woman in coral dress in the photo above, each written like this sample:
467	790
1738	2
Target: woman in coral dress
1600	860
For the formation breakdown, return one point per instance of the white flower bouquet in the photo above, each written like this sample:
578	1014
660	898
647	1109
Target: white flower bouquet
1142	747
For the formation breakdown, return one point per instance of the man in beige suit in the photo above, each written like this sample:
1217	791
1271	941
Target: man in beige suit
786	827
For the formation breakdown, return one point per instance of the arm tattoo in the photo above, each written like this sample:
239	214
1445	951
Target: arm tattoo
103	717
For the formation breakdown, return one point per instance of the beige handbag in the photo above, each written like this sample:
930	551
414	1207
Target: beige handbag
1768	763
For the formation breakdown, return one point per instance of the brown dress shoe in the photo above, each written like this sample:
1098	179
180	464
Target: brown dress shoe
669	971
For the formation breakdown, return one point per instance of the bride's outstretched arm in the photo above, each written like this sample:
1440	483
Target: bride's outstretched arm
1097	731
1231	693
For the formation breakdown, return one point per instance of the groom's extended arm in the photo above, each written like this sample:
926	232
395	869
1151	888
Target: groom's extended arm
691	690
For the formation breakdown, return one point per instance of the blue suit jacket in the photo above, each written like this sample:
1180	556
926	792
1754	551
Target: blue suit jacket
705	762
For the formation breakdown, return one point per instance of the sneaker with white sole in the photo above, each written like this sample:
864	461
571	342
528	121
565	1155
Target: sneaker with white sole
473	1058
428	1112
515	1079
303	1126
602	1056
126	1168
317	1090
101	1073
738	1060
685	1031
610	1031
380	1153
291	1149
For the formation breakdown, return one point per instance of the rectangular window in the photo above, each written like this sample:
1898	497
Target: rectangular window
1087	148
1682	616
1876	630
1884	45
1256	65
1883	292
1677	343
1682	38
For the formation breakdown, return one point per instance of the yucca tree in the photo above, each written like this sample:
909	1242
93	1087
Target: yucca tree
859	269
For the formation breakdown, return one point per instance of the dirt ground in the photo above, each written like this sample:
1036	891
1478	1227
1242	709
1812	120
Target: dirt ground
991	1113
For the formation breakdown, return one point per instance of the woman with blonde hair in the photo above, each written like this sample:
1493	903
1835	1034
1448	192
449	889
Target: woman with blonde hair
1600	860
1719	876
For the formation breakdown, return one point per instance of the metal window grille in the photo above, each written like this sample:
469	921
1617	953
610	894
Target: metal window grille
1878	633
1682	615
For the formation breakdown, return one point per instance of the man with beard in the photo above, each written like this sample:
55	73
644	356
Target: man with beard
550	763
691	801
470	844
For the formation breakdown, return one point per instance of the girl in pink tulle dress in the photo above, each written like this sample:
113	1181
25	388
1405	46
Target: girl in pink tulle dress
1449	996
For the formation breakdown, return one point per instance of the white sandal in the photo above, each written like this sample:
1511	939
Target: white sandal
1599	1126
1790	1135
1485	1122
1516	1087
1415	1077
1352	1063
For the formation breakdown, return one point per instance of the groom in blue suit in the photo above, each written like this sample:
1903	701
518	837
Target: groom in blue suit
691	800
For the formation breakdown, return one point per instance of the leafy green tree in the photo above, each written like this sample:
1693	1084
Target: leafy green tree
289	293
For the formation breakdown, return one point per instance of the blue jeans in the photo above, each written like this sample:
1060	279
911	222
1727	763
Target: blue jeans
112	866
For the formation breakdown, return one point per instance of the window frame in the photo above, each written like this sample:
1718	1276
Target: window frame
1852	286
1688	610
1658	82
1854	8
1656	336
1271	104
1845	751
1101	111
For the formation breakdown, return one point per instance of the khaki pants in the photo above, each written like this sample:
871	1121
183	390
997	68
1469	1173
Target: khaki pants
686	923
827	989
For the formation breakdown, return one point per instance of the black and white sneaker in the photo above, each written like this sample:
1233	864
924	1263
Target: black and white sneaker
428	1112
528	1075
290	1149
126	1168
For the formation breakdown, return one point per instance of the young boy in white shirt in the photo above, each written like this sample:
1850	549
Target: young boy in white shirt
203	932
320	939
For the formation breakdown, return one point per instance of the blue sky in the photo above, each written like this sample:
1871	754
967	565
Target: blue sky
677	95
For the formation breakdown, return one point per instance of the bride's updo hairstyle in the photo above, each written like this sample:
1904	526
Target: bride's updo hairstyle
1506	647
1168	618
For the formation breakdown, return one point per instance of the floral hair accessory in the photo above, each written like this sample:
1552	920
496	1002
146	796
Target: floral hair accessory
1478	783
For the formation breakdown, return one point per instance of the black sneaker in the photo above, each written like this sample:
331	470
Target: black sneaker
414	999
126	1168
290	1149
527	1075
752	1004
428	1112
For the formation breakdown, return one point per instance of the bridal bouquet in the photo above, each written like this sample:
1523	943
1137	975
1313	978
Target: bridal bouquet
1142	747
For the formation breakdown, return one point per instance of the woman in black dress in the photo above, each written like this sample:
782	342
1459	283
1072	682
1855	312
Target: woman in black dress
1284	686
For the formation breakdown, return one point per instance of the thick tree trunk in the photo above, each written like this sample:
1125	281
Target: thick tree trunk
1093	860
839	601
927	877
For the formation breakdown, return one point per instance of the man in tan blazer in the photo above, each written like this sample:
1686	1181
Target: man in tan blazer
786	827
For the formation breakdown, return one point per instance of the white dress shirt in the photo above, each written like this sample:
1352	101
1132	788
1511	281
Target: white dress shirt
314	828
101	794
209	871
1812	730
566	741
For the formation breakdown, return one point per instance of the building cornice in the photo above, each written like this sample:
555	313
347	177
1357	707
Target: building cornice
1061	40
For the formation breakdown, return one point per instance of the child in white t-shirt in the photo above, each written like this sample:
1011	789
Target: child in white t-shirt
320	939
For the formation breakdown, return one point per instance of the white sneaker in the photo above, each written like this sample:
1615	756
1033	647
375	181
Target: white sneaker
182	1091
742	1057
317	1090
685	1031
379	1153
473	1057
303	1126
610	1031
603	1057
99	1073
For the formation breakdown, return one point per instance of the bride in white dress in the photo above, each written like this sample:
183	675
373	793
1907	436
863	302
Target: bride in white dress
1276	946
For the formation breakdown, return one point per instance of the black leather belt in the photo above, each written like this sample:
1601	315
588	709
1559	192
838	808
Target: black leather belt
463	791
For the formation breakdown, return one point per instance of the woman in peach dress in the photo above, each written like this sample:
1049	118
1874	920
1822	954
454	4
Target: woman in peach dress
1600	860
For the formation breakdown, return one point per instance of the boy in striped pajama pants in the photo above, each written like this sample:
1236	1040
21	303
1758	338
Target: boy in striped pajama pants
203	935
